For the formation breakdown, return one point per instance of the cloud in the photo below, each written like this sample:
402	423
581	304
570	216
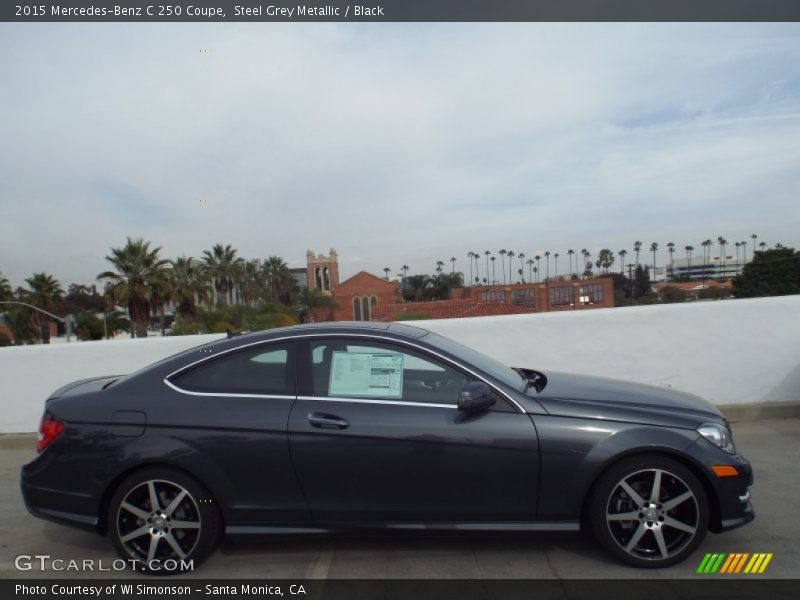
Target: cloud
392	143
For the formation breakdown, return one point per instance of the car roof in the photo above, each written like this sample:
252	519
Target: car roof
398	329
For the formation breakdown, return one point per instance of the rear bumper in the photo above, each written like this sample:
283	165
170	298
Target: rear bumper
64	507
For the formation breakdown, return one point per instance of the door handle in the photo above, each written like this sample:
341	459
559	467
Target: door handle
324	421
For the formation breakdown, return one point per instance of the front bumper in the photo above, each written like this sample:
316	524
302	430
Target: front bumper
730	499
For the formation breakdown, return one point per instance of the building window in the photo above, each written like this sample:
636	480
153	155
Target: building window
365	311
493	296
561	295
357	309
592	294
525	297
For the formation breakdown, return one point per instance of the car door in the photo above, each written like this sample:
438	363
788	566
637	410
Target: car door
233	410
375	435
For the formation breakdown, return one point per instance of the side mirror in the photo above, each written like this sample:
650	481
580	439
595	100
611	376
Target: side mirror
475	396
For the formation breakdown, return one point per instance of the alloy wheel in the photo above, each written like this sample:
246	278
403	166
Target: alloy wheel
652	514
158	520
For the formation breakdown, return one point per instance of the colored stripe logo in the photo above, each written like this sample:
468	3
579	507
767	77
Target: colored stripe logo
735	562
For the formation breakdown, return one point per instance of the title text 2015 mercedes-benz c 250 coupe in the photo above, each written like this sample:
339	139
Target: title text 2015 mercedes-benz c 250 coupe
355	425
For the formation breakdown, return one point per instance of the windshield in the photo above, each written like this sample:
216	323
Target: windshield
490	366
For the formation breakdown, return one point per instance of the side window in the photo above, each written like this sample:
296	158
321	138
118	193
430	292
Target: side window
261	370
373	370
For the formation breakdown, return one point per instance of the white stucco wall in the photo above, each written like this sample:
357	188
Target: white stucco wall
730	352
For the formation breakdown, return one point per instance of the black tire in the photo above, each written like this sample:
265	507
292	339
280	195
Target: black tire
152	541
669	523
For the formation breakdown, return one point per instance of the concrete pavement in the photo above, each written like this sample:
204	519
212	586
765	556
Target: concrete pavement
773	446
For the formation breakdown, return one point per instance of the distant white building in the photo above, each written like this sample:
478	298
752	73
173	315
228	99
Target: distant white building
697	268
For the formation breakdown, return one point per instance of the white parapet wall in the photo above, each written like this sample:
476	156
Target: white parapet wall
28	374
730	352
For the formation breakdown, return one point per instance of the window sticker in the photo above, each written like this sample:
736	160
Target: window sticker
373	374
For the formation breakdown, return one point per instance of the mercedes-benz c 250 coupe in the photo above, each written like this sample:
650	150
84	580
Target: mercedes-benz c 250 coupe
324	427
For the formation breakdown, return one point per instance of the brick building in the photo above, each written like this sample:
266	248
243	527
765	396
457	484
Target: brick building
445	309
359	296
546	296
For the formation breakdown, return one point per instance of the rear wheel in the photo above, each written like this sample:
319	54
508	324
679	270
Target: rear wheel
163	520
649	511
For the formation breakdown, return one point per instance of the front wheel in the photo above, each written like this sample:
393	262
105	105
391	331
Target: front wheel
163	521
649	511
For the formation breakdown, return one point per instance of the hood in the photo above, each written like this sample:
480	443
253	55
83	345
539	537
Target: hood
611	399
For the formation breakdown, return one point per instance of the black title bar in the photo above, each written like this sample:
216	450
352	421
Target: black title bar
400	10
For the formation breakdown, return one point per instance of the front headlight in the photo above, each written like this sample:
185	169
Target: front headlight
718	435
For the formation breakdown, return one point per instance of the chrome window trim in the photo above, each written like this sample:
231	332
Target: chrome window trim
227	395
375	401
423	349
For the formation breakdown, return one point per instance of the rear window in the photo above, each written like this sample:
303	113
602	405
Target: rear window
261	370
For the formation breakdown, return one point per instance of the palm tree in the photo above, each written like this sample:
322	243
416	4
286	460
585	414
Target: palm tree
510	254
605	258
190	284
386	270
160	295
654	249
637	247
470	255
45	293
5	289
622	254
585	254
762	245
439	266
537	258
706	249
555	274
221	262
722	243
529	262
452	264
405	268
671	250
312	302
502	254
494	280
137	268
476	257
689	260
570	252
487	253
547	263
754	237
521	256
279	281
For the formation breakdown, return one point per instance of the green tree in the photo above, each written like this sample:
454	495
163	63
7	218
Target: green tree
5	289
417	288
190	283
671	294
222	264
46	293
641	282
773	272
281	284
605	258
88	326
137	268
313	305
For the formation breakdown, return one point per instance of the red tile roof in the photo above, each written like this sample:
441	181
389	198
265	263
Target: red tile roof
447	309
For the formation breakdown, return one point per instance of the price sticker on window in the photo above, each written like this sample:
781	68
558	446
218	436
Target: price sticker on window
370	374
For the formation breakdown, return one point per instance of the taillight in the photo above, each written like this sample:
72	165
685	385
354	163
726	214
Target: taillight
49	429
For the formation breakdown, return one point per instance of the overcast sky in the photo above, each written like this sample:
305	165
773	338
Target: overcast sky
392	143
